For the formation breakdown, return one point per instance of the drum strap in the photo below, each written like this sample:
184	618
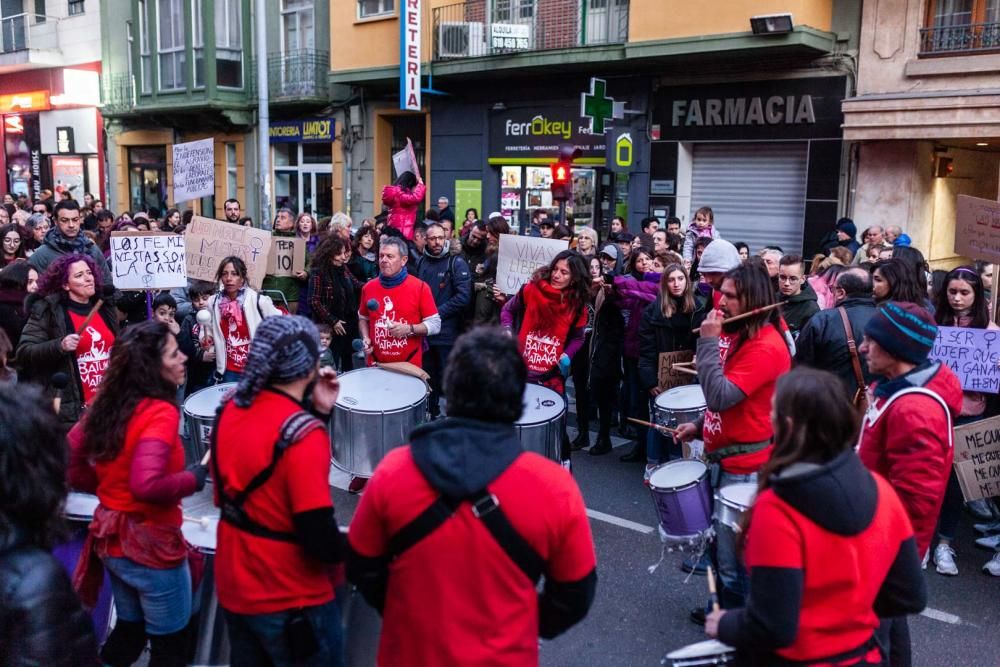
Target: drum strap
296	427
486	508
735	450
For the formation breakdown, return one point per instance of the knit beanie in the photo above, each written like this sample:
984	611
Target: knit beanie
720	256
904	330
283	349
847	226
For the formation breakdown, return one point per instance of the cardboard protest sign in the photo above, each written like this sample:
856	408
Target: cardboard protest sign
406	160
519	256
977	228
977	458
973	354
667	376
147	260
288	255
194	170
209	241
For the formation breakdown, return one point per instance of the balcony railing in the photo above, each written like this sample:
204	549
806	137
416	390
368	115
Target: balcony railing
296	75
117	93
951	40
21	32
477	28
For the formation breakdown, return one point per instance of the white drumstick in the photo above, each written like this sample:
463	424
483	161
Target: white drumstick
203	521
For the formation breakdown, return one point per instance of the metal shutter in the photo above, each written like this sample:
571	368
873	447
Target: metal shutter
757	191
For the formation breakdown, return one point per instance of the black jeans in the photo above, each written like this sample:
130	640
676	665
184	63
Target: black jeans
581	382
435	361
894	638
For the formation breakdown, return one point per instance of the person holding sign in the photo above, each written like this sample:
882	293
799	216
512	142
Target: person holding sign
961	303
403	198
288	285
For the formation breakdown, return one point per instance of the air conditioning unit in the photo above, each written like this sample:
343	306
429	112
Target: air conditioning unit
461	40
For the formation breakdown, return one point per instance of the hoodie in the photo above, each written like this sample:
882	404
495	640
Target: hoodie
829	551
799	308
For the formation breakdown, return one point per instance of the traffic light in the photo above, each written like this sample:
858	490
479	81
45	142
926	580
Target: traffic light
562	184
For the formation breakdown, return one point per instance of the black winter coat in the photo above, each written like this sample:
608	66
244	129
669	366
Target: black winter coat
822	343
606	342
41	620
661	334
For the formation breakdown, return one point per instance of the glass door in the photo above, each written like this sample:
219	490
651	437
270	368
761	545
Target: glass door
511	195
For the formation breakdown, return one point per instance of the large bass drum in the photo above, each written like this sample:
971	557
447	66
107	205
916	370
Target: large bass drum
375	412
542	422
199	411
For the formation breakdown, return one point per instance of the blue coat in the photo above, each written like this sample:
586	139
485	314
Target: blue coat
451	284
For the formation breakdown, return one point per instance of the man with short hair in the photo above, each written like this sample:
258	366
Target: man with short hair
547	229
874	238
474	247
822	342
444	210
624	242
650	225
674	225
97	206
43	207
465	486
537	217
772	258
289	286
419	237
660	241
796	293
893	232
231	209
65	238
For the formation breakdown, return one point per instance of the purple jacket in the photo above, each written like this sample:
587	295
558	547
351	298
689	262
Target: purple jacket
632	296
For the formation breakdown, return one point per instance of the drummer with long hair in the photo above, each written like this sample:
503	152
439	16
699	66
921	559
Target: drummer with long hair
127	450
829	548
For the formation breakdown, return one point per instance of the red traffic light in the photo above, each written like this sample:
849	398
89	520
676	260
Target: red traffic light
560	173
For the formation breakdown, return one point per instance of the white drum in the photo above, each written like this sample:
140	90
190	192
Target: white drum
680	405
708	652
212	642
199	411
375	412
80	506
542	421
733	502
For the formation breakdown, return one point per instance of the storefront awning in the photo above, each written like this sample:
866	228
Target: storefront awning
924	115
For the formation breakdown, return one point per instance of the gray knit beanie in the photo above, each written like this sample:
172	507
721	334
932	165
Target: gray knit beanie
283	349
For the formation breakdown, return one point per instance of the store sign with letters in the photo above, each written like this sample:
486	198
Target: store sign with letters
308	131
409	55
533	135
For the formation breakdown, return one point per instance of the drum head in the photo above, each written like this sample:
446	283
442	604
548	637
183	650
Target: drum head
688	397
204	403
378	390
741	494
705	649
202	537
676	474
541	405
80	505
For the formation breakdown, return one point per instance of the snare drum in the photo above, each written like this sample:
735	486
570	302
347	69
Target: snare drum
708	652
199	411
680	405
79	511
212	643
375	412
732	503
542	421
682	497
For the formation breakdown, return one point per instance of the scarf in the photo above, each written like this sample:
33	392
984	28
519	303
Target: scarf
232	308
394	281
79	245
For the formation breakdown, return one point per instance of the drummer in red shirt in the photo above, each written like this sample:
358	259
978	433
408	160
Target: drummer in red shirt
738	365
397	310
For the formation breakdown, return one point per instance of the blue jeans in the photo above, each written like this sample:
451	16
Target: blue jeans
260	639
660	448
230	376
160	598
732	574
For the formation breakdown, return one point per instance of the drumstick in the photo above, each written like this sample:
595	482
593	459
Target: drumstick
713	595
91	314
755	311
689	371
652	425
206	457
203	521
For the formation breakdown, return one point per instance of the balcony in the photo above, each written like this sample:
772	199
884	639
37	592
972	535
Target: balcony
478	28
296	76
117	94
27	41
960	39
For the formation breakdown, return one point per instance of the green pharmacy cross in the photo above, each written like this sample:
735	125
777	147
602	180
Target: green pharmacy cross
597	107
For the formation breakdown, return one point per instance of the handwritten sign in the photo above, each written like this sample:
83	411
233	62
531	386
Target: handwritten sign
977	228
406	160
194	170
977	458
147	260
973	354
519	256
288	255
667	376
209	241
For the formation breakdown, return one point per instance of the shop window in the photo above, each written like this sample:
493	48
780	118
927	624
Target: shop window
75	7
228	43
145	57
316	154
39	11
170	46
298	21
368	8
148	178
961	26
231	172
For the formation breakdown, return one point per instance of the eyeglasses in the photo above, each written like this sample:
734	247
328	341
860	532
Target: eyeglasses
789	279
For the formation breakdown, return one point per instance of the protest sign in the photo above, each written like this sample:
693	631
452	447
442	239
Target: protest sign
977	228
973	355
519	256
194	170
977	458
406	160
667	376
147	260
288	255
209	241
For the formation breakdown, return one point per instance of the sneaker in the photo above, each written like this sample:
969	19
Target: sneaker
923	563
988	528
980	509
650	467
698	616
991	542
992	566
944	560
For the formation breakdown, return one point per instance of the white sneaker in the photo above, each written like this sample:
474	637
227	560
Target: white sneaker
991	542
992	566
923	563
987	528
944	560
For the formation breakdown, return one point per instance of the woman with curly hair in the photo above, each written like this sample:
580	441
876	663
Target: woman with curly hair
55	339
364	261
333	291
41	621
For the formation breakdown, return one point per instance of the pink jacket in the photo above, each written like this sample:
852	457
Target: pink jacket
403	207
824	295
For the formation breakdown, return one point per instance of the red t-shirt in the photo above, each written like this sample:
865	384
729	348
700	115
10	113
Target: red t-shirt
754	367
256	575
93	352
455	597
408	303
237	336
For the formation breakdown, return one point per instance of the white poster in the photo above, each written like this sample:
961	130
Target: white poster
148	260
194	170
520	256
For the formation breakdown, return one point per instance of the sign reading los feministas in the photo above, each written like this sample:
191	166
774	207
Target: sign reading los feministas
977	458
977	228
148	260
409	56
520	256
973	354
194	170
210	241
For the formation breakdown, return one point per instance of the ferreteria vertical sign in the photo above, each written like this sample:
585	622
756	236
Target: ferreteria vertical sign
409	55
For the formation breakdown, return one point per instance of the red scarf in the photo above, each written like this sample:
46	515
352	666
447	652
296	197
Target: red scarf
549	318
